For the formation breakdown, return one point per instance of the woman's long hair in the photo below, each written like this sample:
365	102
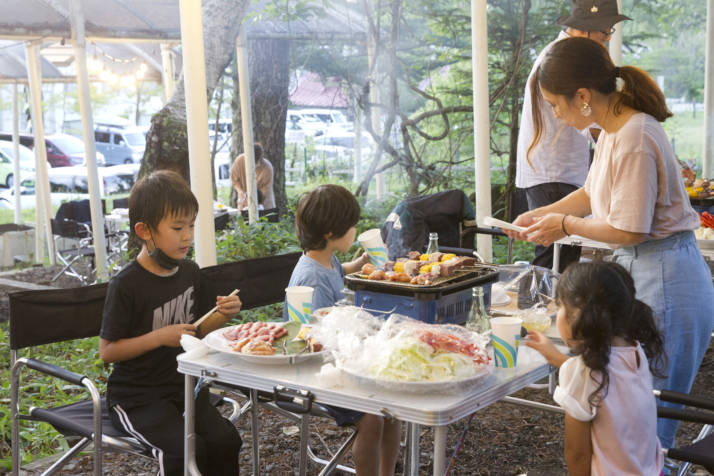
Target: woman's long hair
604	294
577	62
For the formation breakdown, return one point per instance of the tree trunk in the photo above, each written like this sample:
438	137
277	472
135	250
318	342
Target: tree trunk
167	140
512	153
269	66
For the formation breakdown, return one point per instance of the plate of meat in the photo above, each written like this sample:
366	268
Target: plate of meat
273	343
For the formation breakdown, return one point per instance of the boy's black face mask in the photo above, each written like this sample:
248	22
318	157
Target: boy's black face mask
162	259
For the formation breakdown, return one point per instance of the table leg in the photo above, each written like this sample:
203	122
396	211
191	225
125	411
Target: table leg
189	441
304	440
413	449
255	430
439	450
556	257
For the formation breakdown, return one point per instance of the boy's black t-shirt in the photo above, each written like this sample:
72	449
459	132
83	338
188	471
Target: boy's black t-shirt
137	303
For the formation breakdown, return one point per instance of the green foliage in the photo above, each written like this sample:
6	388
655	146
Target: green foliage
243	241
38	439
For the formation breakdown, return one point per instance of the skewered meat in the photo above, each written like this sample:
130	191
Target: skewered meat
368	269
414	255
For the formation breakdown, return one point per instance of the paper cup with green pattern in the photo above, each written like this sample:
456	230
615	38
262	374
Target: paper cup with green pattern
506	333
371	241
299	299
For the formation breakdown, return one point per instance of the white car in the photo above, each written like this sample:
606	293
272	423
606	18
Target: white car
310	125
333	119
341	145
7	167
116	179
28	199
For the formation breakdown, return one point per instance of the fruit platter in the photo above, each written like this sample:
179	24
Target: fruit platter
267	342
700	190
705	233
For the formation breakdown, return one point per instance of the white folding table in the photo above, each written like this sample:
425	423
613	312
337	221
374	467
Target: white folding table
435	409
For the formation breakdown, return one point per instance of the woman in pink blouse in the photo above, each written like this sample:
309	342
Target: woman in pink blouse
633	199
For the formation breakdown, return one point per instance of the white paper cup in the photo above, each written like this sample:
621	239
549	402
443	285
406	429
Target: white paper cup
371	241
299	299
506	335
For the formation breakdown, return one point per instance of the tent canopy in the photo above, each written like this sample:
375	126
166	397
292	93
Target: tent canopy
158	21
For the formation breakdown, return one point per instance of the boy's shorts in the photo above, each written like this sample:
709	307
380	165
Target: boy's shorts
344	416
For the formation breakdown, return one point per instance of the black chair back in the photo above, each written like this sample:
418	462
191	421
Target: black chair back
56	315
261	281
272	214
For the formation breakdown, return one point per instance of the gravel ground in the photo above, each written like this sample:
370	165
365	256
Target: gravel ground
503	439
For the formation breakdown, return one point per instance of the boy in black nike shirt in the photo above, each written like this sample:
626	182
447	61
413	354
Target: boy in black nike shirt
149	305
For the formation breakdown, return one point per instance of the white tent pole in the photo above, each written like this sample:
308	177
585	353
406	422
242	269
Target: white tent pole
194	77
615	45
479	55
246	115
375	116
167	71
90	147
16	151
709	94
43	228
358	144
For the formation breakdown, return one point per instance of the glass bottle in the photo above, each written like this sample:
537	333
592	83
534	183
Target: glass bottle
433	246
477	319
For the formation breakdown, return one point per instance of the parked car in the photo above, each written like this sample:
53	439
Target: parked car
120	145
310	125
63	150
72	125
7	169
341	144
333	119
225	126
294	133
222	169
115	179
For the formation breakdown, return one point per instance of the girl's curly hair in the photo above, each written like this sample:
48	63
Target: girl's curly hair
604	295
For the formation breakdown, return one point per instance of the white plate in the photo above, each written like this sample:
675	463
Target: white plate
216	341
433	386
705	244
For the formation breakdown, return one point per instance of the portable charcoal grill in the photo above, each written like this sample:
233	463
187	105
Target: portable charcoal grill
446	302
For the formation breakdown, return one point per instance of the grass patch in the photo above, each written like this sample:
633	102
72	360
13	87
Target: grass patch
40	439
687	135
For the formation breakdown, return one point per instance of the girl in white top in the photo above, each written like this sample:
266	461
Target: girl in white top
635	195
606	388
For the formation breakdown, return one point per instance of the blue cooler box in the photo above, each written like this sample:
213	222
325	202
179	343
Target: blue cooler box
445	303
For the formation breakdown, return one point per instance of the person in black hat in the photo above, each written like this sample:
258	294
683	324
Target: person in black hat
559	165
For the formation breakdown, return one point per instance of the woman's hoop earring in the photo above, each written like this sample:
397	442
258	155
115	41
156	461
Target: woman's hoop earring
586	110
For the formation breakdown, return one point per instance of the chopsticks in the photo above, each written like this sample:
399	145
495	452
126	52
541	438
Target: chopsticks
215	308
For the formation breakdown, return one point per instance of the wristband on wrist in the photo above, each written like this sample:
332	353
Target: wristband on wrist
562	225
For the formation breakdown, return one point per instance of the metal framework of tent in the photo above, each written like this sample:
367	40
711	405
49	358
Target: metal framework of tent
116	24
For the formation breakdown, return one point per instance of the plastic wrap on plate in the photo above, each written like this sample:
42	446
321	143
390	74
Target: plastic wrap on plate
403	353
533	286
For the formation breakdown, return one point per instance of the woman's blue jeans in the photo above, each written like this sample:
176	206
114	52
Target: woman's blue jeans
671	276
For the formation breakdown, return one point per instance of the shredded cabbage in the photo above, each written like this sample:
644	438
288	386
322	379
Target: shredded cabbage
411	360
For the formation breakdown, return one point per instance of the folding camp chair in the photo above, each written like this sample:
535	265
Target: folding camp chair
262	281
44	317
701	450
74	246
448	213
